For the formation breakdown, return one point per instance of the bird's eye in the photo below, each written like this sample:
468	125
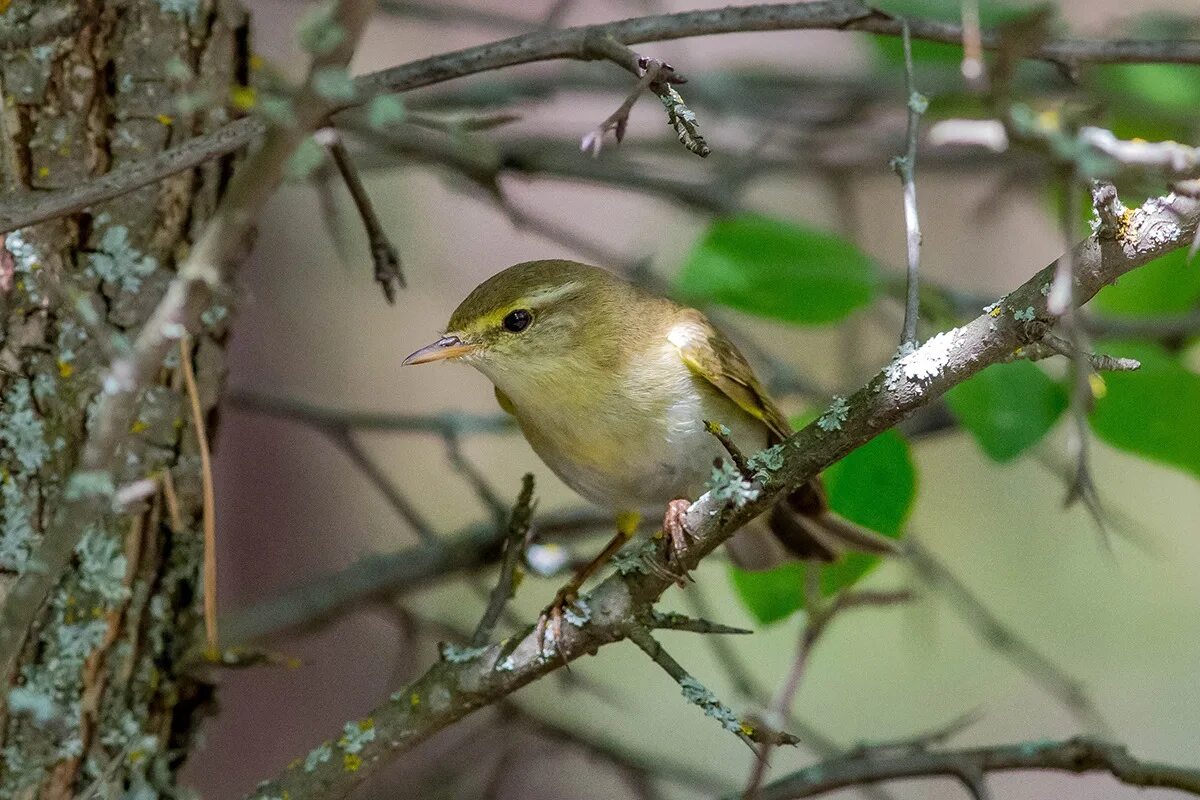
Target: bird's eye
517	321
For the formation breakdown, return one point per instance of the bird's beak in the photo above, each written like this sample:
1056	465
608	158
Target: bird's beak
443	348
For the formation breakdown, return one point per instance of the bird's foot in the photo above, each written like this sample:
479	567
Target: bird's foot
548	630
677	535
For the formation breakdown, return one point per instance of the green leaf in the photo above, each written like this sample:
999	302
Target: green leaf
777	269
1141	412
1151	101
773	594
1167	285
874	486
1007	408
1170	88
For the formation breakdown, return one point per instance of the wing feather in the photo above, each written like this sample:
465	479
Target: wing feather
713	357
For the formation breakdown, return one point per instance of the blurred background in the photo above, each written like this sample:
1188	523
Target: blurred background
312	328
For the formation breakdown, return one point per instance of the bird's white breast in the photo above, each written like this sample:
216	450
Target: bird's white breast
640	443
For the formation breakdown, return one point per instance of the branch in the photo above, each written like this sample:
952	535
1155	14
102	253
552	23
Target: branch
206	268
820	615
695	693
906	168
383	253
449	691
514	544
1076	756
324	417
381	576
1052	345
572	43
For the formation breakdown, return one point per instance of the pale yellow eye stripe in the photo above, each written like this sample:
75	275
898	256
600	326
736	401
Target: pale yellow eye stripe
538	299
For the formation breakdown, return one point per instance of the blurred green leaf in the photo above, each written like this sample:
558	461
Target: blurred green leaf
770	595
1151	101
891	48
1173	89
1007	408
777	269
1151	412
1167	285
874	486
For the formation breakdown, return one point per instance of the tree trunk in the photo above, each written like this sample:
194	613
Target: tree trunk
103	701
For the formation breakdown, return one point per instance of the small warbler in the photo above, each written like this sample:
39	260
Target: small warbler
612	386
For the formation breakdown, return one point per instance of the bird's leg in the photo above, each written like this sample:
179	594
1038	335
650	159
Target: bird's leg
552	617
676	533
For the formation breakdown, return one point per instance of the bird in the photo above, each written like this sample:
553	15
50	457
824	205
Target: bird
618	391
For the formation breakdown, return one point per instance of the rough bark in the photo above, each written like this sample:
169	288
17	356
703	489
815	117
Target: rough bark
102	693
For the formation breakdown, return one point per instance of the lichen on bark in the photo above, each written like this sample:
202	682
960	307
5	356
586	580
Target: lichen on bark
102	692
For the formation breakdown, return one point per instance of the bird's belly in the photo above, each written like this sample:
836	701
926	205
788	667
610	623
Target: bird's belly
633	462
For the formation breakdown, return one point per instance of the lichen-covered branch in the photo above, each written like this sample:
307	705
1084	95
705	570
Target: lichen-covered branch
1076	756
450	690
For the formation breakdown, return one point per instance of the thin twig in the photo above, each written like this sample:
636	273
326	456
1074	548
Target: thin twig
617	121
923	740
659	620
318	416
749	689
478	481
725	437
514	545
388	272
696	694
655	75
820	615
348	444
1077	756
1064	300
906	168
1052	345
318	599
209	500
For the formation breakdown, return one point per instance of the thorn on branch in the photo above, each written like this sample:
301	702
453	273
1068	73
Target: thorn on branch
681	622
388	272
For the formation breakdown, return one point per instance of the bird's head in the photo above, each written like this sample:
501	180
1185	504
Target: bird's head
539	321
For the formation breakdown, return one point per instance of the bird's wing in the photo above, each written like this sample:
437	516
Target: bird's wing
711	356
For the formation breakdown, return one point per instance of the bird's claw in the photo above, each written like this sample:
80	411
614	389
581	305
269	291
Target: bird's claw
677	535
551	621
